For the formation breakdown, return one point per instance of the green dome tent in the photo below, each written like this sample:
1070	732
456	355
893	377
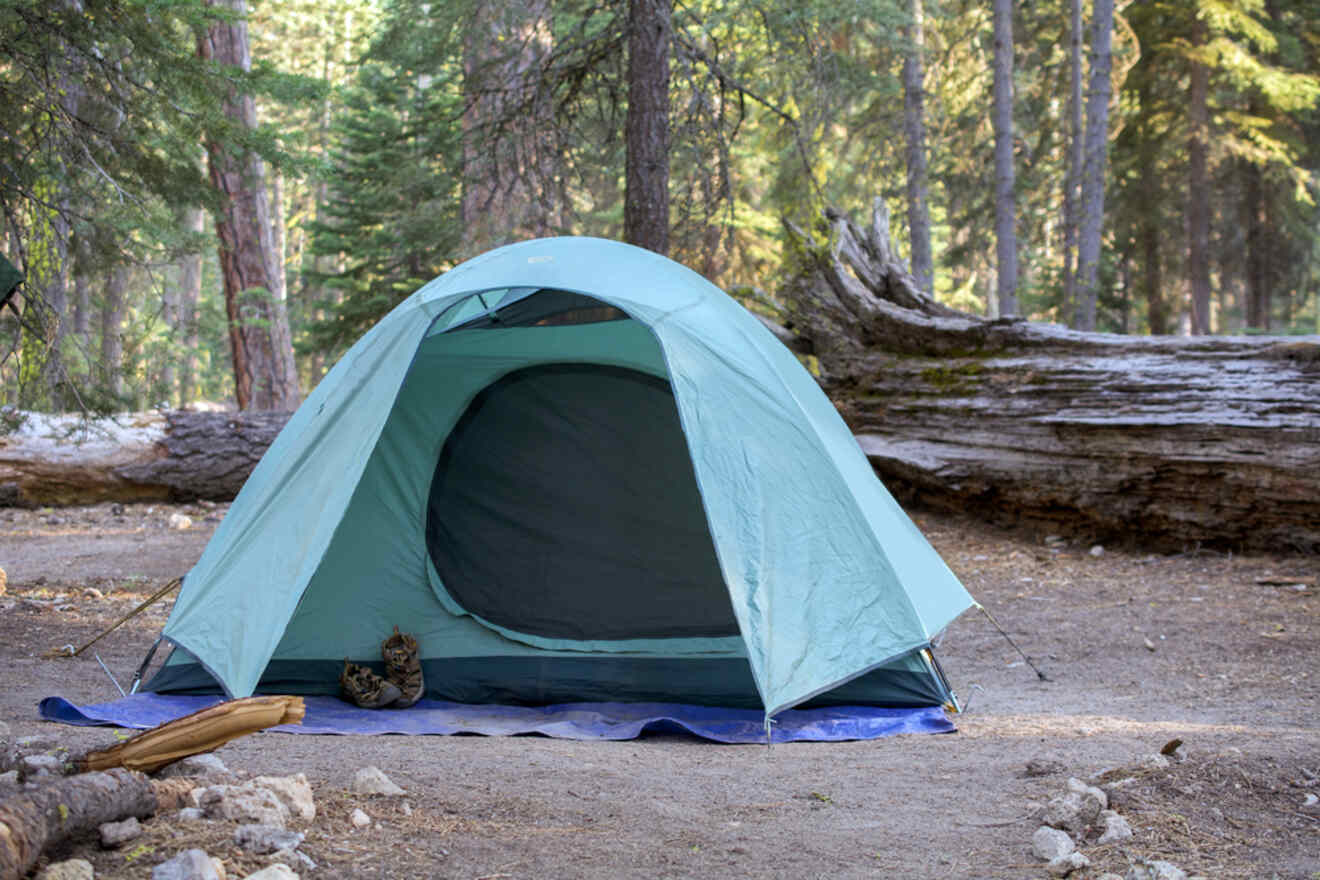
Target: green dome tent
575	471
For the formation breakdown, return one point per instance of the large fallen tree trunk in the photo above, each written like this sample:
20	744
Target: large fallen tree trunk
1168	440
173	456
36	820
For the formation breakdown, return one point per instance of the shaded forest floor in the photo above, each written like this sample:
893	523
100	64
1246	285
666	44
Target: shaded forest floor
1221	651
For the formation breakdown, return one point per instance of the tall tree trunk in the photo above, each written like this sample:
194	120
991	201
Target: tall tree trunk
112	321
1094	165
646	128
1198	190
914	127
190	291
1005	204
509	161
1257	274
1073	180
264	372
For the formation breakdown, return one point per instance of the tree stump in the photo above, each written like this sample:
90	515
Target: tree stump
1168	441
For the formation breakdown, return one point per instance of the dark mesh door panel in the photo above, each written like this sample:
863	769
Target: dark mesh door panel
564	505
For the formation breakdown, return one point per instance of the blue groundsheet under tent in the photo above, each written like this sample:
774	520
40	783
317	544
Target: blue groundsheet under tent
580	721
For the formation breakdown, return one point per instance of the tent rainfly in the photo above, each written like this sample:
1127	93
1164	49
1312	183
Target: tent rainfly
576	471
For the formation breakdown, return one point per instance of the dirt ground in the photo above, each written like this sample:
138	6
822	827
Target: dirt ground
1221	651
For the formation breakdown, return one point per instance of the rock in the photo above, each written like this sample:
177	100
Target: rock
244	803
115	834
371	780
205	766
1115	790
1154	762
276	871
262	839
1072	811
1042	767
8	780
1310	800
73	869
34	743
190	814
1150	646
1144	870
93	593
1076	785
1065	865
180	522
41	765
191	864
359	818
1116	828
1097	550
293	791
1109	876
1049	844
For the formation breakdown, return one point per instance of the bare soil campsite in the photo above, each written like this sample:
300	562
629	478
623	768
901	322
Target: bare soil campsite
1215	649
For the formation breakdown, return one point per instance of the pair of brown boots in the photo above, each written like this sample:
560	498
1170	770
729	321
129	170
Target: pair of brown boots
402	685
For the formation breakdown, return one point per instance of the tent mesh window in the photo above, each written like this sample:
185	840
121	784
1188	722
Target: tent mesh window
540	308
564	505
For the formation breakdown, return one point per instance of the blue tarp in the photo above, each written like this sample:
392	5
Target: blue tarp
582	721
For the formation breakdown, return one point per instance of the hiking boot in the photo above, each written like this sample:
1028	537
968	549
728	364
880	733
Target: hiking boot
403	667
362	687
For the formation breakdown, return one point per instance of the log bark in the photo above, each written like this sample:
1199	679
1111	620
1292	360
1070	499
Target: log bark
67	808
32	822
1165	441
174	456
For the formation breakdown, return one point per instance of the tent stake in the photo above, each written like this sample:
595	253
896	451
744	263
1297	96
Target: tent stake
113	680
990	617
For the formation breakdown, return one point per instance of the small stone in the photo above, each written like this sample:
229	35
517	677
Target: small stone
359	818
8	780
244	804
1110	875
276	871
41	765
180	522
1076	785
1154	762
1042	767
293	791
191	864
34	743
1155	871
73	869
1072	811
190	814
93	593
206	765
371	780
1310	801
1150	646
1116	828
1049	843
262	839
1065	865
115	834
1098	550
407	808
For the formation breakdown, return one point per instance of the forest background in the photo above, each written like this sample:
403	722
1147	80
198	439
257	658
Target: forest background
208	201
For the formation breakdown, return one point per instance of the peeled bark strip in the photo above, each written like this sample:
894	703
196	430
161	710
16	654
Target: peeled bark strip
1167	440
175	456
202	731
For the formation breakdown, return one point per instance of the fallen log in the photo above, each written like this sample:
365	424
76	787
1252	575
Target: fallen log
157	456
66	808
1170	441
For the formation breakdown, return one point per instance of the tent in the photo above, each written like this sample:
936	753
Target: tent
575	471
